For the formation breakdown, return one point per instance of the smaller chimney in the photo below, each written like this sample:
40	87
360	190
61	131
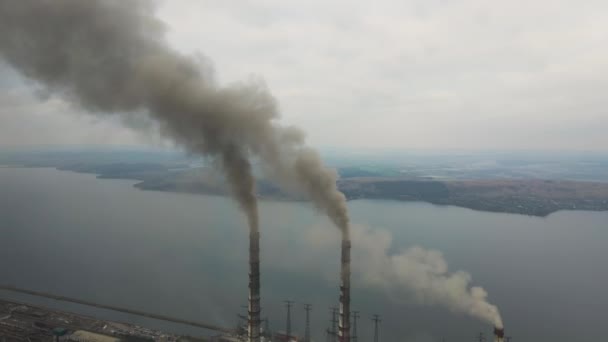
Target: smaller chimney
499	334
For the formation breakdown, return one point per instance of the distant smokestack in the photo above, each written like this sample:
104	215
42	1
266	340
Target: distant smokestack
344	323
253	323
499	334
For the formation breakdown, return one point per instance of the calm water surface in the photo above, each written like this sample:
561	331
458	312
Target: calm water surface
186	256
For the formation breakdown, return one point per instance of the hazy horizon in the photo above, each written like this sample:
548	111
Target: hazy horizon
170	148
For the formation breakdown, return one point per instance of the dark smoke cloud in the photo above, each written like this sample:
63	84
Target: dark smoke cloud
110	56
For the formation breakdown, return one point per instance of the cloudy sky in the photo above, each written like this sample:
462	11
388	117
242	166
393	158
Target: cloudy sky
424	74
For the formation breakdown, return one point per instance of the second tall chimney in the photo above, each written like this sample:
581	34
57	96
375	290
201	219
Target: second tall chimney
253	323
344	322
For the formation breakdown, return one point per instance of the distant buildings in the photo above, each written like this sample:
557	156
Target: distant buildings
87	336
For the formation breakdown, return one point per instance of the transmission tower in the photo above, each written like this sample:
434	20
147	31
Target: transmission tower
334	324
241	323
377	321
267	328
288	304
481	338
354	336
307	307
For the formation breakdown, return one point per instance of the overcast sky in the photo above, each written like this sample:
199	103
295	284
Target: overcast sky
428	74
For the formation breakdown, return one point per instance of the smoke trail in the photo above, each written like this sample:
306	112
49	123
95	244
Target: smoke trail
421	272
110	56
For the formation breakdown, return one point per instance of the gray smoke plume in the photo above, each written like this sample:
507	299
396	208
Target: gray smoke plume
110	56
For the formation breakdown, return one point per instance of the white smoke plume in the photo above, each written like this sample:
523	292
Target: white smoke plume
423	272
414	272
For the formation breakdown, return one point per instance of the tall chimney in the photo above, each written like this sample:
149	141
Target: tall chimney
499	334
253	323
344	323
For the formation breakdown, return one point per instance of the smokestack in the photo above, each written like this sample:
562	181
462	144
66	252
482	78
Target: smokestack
499	334
344	323
253	323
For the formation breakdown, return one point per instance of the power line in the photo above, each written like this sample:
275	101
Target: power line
118	309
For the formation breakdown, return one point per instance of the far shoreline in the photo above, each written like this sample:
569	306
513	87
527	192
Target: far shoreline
140	185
